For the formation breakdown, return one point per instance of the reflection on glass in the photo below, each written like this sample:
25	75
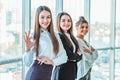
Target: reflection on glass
100	28
100	69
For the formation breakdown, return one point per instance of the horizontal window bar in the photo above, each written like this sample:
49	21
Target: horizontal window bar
2	62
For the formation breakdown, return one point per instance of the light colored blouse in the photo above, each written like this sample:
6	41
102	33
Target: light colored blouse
46	49
87	60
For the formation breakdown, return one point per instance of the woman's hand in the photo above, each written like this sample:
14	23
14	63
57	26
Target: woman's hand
44	59
92	49
87	50
29	42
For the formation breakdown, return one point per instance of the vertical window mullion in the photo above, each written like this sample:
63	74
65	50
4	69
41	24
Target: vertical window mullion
113	28
26	26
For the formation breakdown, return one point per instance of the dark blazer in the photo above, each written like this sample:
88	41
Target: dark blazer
68	71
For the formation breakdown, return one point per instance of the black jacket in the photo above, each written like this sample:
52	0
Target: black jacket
69	50
68	71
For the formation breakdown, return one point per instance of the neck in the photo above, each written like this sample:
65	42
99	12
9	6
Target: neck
81	37
44	29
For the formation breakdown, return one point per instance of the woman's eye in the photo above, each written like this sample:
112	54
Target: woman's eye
69	20
42	17
48	17
82	26
63	20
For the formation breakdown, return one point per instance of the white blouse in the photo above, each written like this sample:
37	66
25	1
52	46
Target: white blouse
87	59
46	49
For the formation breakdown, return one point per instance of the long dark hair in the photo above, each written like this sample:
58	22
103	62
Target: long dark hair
50	29
70	31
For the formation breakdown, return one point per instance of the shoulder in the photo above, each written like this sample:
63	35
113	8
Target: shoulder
57	35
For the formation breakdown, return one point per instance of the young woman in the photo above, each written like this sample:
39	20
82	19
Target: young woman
45	49
68	71
89	53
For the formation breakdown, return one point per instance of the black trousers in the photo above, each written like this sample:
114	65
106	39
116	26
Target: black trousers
39	72
68	71
87	76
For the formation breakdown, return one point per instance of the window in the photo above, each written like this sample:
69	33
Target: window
117	44
10	39
117	23
100	69
100	28
75	8
37	3
100	37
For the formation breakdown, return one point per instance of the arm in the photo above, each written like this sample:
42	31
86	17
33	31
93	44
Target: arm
29	44
90	53
28	57
94	55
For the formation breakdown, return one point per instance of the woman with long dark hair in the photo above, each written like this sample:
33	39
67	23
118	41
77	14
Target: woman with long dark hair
68	71
45	50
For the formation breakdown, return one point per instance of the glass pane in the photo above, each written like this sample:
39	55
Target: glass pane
100	28
36	3
75	8
10	33
117	23
117	64
11	71
100	69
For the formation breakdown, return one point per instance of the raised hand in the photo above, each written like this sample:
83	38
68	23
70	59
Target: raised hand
29	42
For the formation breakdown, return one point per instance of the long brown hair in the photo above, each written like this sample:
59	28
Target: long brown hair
37	28
70	31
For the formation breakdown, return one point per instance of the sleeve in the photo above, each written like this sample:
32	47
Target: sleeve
71	55
61	56
28	57
90	58
94	56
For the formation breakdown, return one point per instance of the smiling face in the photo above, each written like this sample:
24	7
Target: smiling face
44	19
82	29
65	23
